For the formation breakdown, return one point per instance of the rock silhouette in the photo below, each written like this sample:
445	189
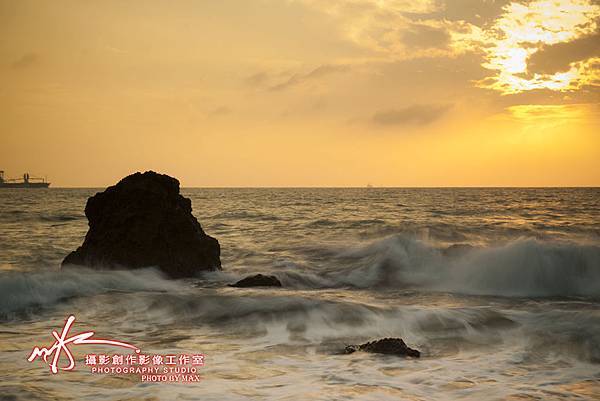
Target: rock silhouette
389	346
258	280
143	221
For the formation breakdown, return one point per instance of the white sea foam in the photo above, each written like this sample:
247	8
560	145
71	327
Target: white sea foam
22	291
524	267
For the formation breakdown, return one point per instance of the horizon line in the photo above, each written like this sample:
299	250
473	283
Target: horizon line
364	187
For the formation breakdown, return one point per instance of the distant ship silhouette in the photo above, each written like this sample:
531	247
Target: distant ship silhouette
26	182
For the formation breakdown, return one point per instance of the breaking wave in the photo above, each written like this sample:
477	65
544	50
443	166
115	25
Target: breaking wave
525	267
25	292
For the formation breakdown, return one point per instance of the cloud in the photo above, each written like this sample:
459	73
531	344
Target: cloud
220	111
540	117
558	57
258	79
282	80
317	73
524	30
393	30
418	114
425	36
510	35
536	113
373	25
478	12
25	61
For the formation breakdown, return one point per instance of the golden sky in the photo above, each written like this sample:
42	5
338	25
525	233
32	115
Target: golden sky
302	92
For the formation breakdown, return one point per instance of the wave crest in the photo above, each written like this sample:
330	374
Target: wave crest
525	267
25	292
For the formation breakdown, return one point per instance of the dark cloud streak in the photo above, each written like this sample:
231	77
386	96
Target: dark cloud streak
25	61
479	12
424	36
418	114
317	73
556	58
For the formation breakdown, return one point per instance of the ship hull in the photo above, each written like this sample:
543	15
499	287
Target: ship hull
24	185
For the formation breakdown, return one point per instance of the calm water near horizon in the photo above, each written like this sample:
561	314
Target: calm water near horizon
498	287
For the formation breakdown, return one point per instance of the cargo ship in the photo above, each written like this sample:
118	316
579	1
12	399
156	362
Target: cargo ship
25	182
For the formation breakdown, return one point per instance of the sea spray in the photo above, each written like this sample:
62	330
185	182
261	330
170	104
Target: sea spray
523	267
21	292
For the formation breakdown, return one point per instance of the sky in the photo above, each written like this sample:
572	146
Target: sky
288	93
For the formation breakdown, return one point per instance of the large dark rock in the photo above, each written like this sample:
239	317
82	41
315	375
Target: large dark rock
389	346
258	280
143	221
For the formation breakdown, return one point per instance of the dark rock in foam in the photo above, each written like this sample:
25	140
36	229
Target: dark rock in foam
258	280
143	221
388	346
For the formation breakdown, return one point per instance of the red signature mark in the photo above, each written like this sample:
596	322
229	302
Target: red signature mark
62	342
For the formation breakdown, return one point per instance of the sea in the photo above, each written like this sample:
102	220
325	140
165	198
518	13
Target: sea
498	288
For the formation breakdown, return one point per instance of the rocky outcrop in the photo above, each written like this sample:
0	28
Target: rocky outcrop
258	280
388	346
143	221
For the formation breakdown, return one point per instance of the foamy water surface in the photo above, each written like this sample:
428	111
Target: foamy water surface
498	288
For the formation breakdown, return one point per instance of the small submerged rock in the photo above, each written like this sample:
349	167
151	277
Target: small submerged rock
258	280
143	221
388	346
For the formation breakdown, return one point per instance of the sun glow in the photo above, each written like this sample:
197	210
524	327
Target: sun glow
534	113
523	30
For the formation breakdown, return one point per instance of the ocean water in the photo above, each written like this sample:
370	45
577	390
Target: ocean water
498	288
